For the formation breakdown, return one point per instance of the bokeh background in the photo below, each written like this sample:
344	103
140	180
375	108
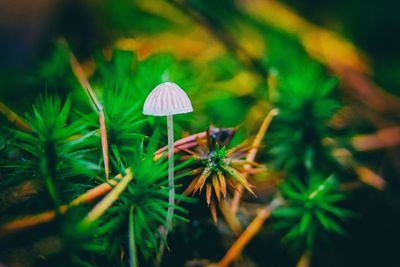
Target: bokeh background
228	55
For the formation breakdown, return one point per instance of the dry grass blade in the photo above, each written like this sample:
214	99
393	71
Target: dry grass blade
245	237
81	76
252	154
217	189
14	118
26	222
104	143
208	193
239	178
222	182
96	191
369	177
201	180
304	260
107	201
189	188
48	216
230	218
248	234
182	144
383	138
214	212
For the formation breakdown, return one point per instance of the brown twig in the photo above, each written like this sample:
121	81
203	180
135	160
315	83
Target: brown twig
48	216
97	191
364	174
383	138
230	218
248	234
81	76
29	221
107	201
14	118
252	154
369	177
305	259
181	144
104	143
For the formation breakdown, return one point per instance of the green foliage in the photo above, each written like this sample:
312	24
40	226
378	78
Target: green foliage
74	245
124	16
305	105
57	147
309	209
223	101
225	67
148	195
122	105
159	68
117	71
55	70
5	161
124	119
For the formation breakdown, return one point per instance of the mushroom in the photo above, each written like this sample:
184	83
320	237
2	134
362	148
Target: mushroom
168	99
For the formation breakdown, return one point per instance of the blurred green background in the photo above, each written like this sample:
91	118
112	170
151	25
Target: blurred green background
226	55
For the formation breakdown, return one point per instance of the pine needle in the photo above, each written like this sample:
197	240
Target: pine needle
248	234
14	118
104	143
107	201
252	154
81	76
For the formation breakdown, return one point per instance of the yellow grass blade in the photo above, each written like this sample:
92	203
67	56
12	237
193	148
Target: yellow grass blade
14	118
107	201
252	154
104	143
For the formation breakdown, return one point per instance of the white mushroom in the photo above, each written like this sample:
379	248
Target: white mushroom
168	99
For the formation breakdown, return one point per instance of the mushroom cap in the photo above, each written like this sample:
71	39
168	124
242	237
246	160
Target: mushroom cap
167	99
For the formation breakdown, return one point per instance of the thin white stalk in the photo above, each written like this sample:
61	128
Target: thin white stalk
170	126
164	231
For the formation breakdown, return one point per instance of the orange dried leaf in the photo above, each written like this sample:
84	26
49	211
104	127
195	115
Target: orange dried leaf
104	143
239	178
201	180
190	188
216	186
222	182
208	193
14	118
213	211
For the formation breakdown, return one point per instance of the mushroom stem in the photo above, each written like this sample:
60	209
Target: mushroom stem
170	126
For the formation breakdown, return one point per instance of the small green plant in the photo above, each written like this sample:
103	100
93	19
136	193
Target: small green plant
124	122
309	209
71	245
306	104
219	169
143	206
56	149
